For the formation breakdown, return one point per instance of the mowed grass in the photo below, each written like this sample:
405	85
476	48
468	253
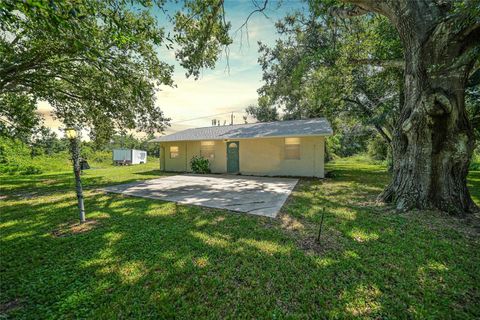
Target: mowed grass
153	259
39	184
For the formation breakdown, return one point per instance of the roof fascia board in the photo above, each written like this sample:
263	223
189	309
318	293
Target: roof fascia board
233	139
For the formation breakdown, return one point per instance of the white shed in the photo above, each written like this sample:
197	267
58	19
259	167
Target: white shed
129	156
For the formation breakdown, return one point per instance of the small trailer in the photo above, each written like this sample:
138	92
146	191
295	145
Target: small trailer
129	156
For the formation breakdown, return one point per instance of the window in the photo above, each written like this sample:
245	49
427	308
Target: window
174	152
207	149
292	148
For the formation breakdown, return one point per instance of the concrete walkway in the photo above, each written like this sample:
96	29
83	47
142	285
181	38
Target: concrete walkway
263	196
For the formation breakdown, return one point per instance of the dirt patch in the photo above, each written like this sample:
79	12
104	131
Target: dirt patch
29	195
9	306
218	219
306	235
49	181
290	223
330	240
70	229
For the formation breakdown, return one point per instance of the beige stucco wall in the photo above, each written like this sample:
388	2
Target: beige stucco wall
189	149
263	156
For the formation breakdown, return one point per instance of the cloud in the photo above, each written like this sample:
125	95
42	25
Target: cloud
206	99
44	109
217	91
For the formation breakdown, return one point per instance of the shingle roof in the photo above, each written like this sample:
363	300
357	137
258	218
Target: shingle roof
308	127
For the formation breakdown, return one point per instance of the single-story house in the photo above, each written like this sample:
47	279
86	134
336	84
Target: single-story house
281	148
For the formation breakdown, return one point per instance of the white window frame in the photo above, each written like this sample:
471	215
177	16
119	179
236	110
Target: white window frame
207	150
174	154
292	149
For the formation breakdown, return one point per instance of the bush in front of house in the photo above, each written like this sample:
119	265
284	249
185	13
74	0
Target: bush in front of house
200	164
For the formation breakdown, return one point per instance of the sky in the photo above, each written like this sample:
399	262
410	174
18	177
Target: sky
221	91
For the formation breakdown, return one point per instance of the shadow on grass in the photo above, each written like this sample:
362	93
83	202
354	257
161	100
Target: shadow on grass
156	172
154	259
148	258
42	184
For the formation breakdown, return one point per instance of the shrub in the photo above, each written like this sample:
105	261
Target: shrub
97	157
475	162
200	164
16	158
347	141
31	170
378	149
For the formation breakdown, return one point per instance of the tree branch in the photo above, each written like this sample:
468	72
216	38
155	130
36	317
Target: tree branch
399	64
471	30
378	127
347	12
361	7
474	79
259	9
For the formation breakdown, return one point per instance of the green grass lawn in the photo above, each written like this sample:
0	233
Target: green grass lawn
150	259
32	185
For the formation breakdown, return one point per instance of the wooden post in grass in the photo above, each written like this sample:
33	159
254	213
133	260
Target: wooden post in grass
321	224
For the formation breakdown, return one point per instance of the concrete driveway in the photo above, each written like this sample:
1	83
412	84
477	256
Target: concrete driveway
255	195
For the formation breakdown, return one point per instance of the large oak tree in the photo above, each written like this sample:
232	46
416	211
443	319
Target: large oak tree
433	139
432	134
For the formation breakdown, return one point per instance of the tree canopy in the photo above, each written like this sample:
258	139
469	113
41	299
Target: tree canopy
325	67
97	62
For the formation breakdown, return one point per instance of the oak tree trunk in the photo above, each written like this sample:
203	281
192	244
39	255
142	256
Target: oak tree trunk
432	148
433	140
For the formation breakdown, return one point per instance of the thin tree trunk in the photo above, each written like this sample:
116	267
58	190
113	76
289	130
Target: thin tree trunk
78	183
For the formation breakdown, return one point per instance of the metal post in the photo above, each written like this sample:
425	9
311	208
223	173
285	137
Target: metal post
76	170
321	225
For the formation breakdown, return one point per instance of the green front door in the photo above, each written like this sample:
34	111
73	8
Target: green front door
233	162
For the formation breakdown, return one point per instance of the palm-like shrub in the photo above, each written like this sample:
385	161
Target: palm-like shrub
200	164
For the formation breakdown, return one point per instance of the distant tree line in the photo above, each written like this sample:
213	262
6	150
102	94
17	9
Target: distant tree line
44	141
